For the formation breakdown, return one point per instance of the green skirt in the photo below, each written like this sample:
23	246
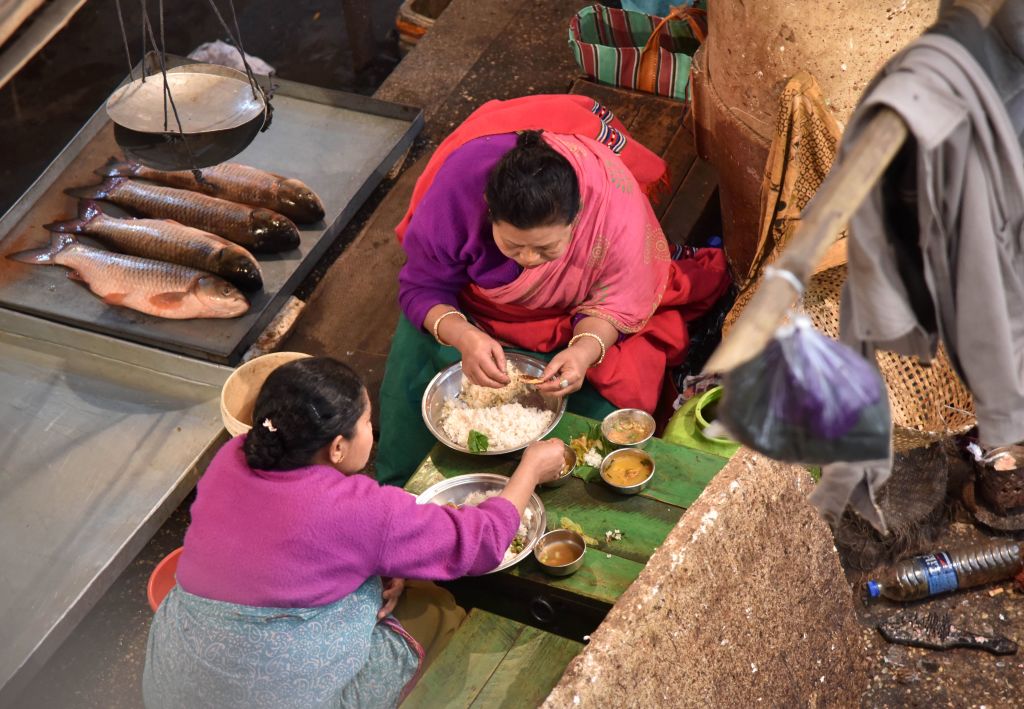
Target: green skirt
414	359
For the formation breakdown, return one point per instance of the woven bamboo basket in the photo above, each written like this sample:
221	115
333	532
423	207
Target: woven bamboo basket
928	402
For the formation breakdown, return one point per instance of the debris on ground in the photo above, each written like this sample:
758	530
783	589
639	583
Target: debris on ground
936	631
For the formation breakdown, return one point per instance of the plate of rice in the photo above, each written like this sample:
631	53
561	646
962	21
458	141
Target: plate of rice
486	421
473	489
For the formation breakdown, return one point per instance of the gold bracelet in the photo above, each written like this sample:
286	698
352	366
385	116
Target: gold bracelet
599	342
437	324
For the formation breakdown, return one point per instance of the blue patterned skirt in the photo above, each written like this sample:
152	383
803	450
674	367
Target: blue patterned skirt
205	653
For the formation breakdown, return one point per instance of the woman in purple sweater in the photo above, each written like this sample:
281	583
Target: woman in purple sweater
294	560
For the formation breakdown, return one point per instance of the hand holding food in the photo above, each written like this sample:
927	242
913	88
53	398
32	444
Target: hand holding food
545	459
565	373
483	360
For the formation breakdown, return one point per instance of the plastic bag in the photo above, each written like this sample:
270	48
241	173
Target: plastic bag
808	399
222	53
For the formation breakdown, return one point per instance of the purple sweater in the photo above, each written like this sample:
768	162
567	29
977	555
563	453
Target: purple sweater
307	537
449	241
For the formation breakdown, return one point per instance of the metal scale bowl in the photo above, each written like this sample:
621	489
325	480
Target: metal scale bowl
220	114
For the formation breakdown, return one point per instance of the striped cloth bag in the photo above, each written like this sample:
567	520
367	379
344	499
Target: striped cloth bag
638	51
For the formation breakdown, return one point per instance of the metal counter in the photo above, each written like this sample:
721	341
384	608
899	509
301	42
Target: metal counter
340	144
100	440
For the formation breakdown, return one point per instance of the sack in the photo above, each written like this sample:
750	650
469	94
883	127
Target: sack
638	51
807	399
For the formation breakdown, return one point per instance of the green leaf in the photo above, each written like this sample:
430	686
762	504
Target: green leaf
478	442
567	523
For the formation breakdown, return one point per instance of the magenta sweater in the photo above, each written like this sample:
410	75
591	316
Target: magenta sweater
449	242
307	537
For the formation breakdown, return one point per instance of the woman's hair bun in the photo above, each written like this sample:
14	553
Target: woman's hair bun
529	139
264	447
532	185
301	408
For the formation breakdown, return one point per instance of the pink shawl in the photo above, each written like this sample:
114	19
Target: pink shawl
617	264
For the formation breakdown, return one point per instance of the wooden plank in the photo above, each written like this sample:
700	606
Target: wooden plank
680	155
681	474
529	671
656	123
467	663
644	523
692	203
651	120
603	577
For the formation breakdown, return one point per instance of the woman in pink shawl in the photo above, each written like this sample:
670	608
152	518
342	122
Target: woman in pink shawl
545	242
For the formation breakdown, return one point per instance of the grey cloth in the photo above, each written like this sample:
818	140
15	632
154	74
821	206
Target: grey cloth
961	275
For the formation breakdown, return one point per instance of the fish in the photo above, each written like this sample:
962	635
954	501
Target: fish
166	240
256	228
234	182
158	288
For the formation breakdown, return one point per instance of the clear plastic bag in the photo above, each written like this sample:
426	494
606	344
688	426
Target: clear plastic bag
808	399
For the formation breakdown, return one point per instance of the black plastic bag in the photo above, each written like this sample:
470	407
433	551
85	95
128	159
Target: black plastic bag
808	399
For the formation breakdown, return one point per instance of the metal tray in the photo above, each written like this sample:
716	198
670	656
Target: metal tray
101	440
342	145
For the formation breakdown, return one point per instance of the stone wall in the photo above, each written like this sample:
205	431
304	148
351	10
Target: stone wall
745	604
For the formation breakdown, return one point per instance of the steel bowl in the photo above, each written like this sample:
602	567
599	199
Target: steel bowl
560	535
219	111
637	415
567	468
456	490
447	384
627	489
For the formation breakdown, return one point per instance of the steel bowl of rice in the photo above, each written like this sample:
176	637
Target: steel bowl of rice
486	421
473	489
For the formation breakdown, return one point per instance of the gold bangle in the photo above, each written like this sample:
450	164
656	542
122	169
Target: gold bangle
437	324
600	342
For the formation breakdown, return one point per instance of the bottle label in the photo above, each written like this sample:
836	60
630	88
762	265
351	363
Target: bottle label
939	572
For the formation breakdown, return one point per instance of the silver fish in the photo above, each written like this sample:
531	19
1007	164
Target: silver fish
166	240
235	182
256	228
154	287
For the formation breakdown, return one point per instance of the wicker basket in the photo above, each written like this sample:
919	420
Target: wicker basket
927	402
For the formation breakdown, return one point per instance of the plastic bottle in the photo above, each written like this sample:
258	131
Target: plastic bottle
932	574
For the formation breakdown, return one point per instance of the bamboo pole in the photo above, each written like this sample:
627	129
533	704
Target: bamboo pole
838	197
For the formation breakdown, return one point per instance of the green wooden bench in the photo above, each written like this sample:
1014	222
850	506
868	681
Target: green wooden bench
493	662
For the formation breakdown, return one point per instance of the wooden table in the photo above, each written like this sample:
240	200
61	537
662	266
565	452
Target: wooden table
644	520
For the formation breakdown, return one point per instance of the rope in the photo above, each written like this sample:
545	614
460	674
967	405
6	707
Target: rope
124	36
788	276
145	15
163	53
237	41
147	27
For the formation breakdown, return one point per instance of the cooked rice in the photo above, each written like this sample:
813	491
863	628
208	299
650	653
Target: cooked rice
506	426
477	396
